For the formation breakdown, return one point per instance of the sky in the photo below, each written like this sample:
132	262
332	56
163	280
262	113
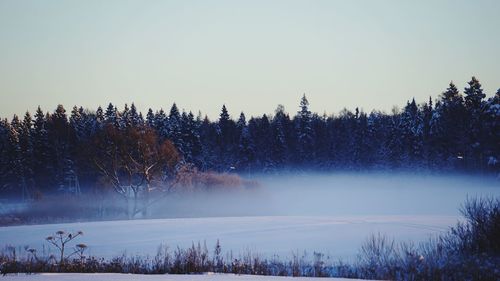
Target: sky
249	55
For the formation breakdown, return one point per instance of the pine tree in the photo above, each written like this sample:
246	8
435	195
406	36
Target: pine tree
246	148
4	152
242	122
474	95
260	138
173	126
160	124
427	136
81	126
123	119
191	139
134	118
194	132
210	147
474	105
99	120
411	122
449	129
14	157
279	143
361	152
491	125
111	115
76	124
59	142
42	152
342	146
224	116
394	141
150	119
226	140
174	112
226	128
377	135
305	133
27	157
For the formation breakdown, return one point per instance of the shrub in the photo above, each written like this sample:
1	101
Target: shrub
469	251
189	178
480	234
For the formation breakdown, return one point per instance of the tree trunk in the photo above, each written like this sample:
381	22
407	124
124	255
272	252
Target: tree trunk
135	204
146	199
129	211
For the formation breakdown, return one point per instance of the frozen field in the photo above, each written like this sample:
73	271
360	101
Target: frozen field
267	235
328	214
138	277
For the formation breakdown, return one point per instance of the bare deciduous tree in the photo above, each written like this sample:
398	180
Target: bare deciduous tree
135	163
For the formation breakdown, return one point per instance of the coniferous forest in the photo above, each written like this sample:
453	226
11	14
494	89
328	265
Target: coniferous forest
49	152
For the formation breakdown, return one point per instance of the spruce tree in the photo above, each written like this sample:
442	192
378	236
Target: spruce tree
59	143
160	124
4	151
449	128
263	149
225	126
99	120
190	139
134	117
27	157
474	95
491	125
150	119
76	124
279	143
305	133
123	119
474	105
173	127
411	122
427	136
42	152
246	148
226	140
111	115
361	151
394	141
14	157
210	148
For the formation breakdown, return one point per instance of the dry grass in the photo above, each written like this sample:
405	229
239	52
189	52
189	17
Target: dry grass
190	179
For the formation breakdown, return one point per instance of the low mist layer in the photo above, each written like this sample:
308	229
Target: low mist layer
335	194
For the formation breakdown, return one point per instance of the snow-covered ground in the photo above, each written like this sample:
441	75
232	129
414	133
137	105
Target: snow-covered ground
334	236
138	277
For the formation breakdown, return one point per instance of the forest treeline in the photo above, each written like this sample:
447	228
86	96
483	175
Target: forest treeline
56	151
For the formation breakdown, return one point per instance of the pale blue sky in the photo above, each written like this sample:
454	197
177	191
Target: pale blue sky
250	55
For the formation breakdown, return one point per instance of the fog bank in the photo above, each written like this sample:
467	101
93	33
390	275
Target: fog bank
334	194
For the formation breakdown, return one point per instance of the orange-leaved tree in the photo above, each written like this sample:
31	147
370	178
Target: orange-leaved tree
135	162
